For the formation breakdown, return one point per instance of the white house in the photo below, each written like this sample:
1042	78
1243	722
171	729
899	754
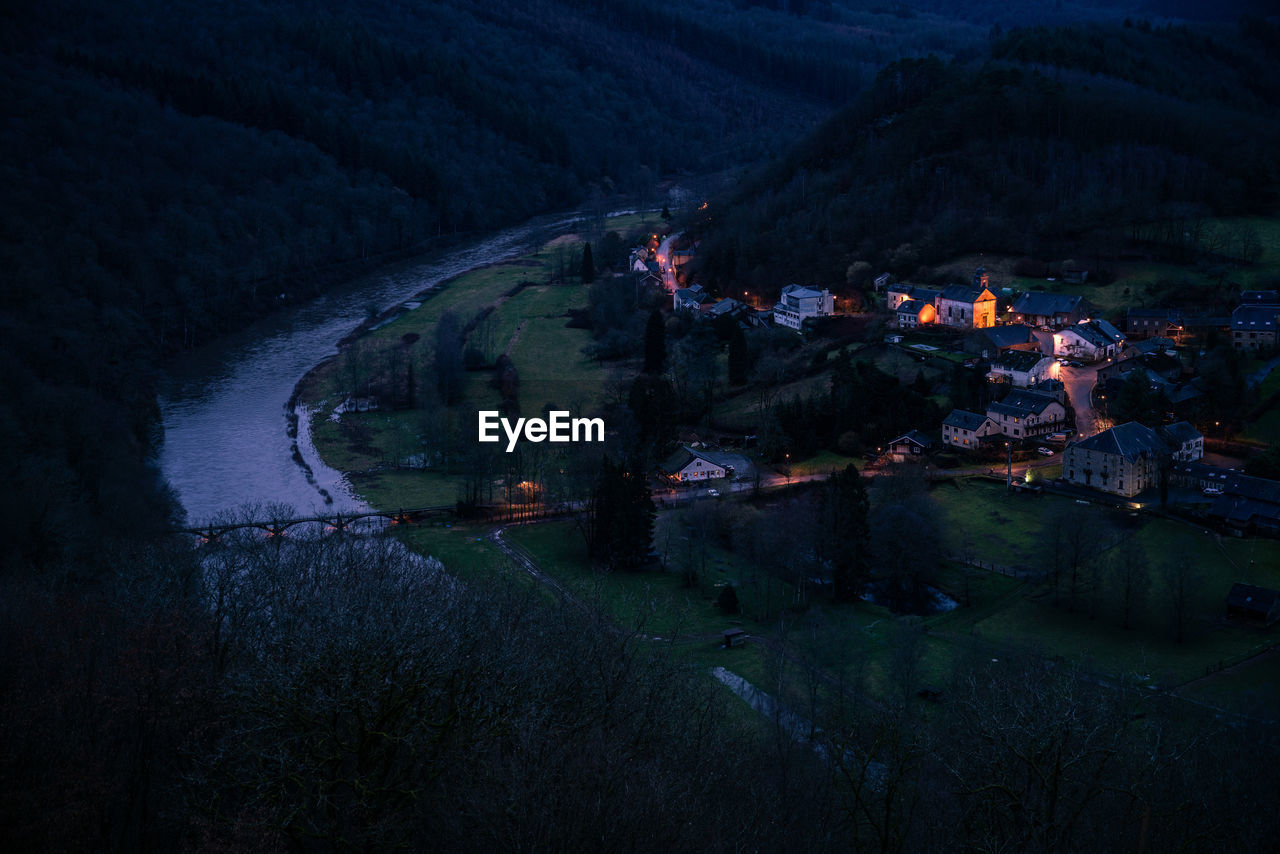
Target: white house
688	465
1023	368
965	430
799	303
1089	340
1185	443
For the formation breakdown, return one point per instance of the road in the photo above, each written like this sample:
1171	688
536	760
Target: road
1079	383
664	262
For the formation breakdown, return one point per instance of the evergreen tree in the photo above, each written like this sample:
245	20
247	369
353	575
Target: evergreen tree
666	213
588	265
620	514
728	600
845	531
655	343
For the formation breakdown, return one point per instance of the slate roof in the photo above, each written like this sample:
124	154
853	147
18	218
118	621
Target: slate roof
1019	360
964	419
1050	386
1260	297
1131	441
728	305
1021	402
681	458
1040	303
1006	336
1152	345
916	292
801	292
1099	333
1167	313
914	436
1255	318
961	293
1179	432
911	306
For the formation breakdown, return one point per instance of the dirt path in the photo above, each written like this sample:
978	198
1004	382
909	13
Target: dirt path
515	336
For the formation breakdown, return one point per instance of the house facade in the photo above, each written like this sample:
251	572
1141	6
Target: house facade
1142	323
1025	414
1022	368
798	303
1090	341
908	446
1186	444
964	307
966	430
687	465
1253	327
1124	460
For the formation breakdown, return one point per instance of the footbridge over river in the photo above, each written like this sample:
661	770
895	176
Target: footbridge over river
329	522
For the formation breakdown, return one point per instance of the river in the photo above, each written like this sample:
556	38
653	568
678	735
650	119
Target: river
225	407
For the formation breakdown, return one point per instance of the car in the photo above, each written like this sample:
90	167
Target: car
714	493
1044	452
1212	490
1074	364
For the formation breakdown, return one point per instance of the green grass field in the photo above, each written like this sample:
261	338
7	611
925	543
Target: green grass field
530	325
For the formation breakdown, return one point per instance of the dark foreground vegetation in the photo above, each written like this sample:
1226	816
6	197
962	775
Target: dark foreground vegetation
344	694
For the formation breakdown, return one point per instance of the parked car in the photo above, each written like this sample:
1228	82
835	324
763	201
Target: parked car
1044	452
714	493
1212	490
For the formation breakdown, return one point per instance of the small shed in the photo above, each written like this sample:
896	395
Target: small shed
1253	604
734	637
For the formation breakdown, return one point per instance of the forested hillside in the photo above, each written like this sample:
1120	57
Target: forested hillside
1062	137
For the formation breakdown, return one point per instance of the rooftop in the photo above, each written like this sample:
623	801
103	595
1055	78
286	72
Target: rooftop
1019	360
1131	441
964	419
1040	303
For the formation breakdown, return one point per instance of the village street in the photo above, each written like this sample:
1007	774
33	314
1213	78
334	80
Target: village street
1079	383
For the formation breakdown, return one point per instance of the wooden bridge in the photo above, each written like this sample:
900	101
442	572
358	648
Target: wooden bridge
331	522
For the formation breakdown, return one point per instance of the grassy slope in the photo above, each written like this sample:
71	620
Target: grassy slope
545	352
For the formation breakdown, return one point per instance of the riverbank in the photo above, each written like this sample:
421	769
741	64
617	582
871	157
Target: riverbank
375	411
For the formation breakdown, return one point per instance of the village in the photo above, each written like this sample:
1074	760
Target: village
1050	363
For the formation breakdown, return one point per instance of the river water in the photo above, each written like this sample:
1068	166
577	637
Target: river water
224	408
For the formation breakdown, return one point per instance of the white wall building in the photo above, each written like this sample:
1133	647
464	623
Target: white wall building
799	303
